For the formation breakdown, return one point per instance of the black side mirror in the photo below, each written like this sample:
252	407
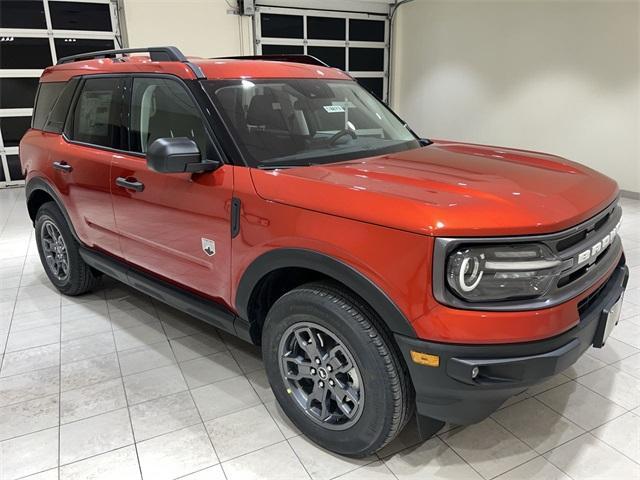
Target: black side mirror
178	155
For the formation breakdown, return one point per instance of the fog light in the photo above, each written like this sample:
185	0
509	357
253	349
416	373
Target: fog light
475	371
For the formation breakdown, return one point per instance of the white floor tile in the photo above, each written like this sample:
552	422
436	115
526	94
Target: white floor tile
118	464
323	464
95	435
176	454
537	425
488	447
163	415
277	462
536	469
431	459
243	432
586	457
29	454
580	405
614	384
623	434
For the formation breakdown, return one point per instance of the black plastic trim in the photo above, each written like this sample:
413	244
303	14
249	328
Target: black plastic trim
236	206
336	269
199	307
40	183
157	54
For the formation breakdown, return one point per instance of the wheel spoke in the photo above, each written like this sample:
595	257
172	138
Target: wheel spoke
344	397
308	343
46	244
302	368
339	361
319	396
51	233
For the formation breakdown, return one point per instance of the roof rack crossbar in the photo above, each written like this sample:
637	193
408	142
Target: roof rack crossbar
294	58
157	54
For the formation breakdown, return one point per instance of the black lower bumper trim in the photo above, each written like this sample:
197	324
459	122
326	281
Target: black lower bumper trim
472	381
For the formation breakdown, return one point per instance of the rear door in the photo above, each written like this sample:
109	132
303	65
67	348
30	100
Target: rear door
81	160
173	225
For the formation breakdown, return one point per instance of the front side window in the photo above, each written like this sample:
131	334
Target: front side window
307	121
162	108
97	115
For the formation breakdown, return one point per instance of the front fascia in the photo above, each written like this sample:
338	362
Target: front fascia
441	323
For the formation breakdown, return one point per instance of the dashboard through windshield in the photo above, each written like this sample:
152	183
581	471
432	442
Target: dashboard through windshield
289	122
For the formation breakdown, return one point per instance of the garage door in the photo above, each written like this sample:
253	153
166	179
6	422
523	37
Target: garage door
33	35
354	42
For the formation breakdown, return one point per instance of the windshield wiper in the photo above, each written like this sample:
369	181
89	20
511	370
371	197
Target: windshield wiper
292	164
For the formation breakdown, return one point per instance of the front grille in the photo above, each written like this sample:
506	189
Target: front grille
591	239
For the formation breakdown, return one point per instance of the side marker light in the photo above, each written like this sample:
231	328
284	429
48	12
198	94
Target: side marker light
425	359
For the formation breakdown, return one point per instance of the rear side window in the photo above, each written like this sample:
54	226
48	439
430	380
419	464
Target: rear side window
56	119
97	115
47	95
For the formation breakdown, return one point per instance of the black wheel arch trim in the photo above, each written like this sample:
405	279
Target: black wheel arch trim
276	259
39	183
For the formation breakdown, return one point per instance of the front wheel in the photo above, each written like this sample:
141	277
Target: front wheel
334	370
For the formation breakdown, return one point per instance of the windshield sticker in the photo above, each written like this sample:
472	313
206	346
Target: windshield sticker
334	108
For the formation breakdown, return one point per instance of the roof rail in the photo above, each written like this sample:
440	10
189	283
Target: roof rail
157	54
294	58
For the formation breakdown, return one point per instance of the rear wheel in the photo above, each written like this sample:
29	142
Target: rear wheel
59	253
334	370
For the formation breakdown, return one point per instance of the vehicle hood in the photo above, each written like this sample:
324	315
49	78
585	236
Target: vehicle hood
448	189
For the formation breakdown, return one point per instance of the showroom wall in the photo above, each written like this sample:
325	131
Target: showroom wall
560	76
198	27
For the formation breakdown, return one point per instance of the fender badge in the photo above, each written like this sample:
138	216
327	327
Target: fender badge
208	247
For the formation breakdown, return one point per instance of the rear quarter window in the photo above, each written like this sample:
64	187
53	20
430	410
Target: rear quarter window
56	119
47	95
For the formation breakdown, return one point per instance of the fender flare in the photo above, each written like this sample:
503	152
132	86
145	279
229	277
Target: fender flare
39	183
388	311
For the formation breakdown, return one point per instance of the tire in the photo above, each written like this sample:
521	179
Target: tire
79	278
385	394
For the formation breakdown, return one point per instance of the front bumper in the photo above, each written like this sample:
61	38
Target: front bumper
449	393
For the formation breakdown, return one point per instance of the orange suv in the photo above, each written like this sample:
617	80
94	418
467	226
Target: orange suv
275	198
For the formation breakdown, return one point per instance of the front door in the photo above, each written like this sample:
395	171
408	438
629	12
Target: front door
176	226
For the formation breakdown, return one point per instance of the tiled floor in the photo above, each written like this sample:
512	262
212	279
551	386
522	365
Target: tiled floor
115	385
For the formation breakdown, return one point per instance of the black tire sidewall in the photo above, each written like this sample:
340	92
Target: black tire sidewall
51	212
371	430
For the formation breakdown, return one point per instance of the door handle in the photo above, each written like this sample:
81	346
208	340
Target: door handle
63	166
132	184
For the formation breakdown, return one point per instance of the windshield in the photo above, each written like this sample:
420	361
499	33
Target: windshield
282	122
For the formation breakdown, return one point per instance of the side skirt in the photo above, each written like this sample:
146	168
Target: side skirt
201	308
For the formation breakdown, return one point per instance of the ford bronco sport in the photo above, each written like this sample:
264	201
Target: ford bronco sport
278	200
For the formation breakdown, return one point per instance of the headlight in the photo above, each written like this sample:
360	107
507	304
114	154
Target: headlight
493	273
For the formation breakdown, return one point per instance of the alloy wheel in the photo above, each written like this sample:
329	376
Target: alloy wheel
320	373
55	250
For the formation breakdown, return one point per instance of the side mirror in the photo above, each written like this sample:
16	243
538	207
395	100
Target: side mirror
178	155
